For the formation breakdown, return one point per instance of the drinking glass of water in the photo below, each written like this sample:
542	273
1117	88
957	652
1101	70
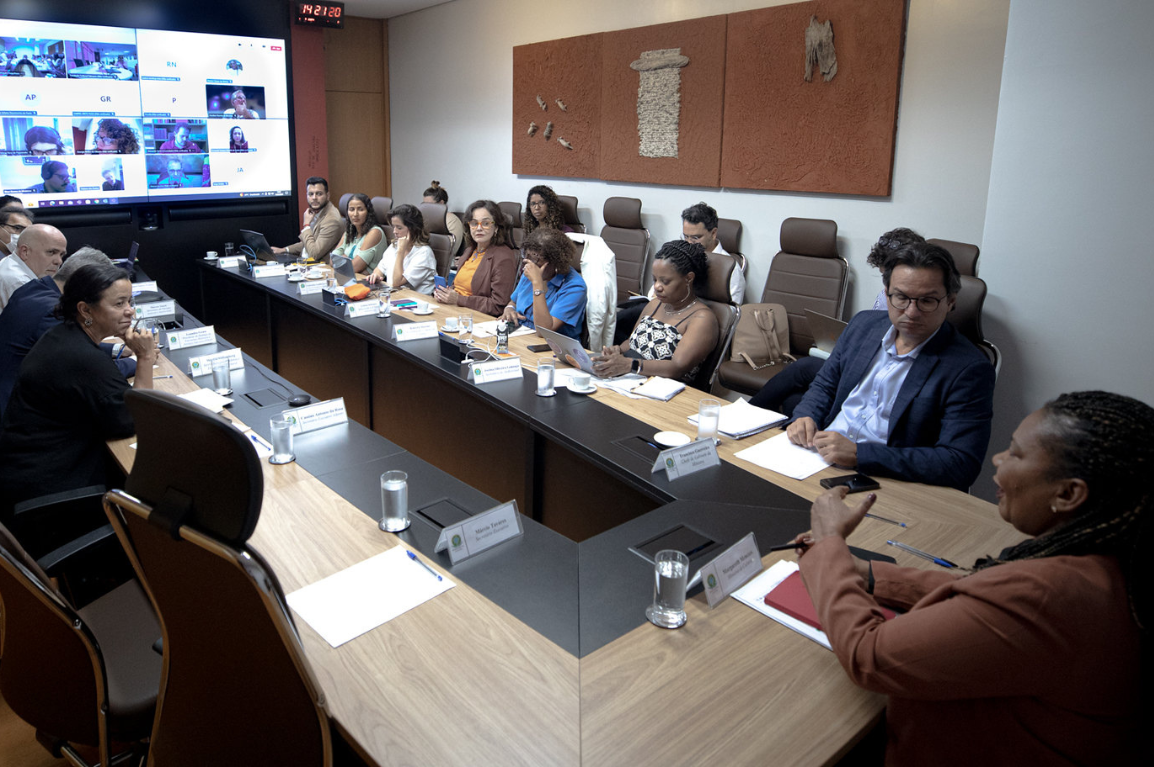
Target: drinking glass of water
670	574
708	414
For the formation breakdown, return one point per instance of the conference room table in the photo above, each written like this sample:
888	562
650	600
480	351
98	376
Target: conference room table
541	654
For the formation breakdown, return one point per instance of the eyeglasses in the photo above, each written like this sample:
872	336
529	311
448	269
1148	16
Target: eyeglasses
538	204
103	139
901	302
15	228
486	224
536	258
45	152
694	238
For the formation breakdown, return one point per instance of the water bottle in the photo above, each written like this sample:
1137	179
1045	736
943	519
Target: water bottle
502	337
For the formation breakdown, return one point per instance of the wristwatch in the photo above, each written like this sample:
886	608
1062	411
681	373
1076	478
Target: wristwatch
636	366
538	292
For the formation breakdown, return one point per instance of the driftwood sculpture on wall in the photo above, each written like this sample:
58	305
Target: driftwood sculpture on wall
819	49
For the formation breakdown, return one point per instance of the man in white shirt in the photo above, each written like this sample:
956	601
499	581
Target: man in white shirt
13	221
39	252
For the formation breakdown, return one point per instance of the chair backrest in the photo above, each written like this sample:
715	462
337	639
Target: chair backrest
729	235
569	211
512	211
967	317
438	231
343	205
727	315
381	208
965	255
53	674
807	273
629	240
237	687
717	281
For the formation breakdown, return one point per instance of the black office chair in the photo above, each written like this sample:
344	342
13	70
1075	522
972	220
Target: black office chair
84	676
237	687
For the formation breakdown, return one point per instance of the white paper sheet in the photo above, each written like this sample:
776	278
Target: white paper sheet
362	597
207	399
740	419
779	454
753	594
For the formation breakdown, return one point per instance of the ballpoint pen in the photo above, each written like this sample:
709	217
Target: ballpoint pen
155	377
432	572
922	554
883	519
134	326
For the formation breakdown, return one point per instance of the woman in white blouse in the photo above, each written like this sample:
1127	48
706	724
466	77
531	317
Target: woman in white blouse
408	261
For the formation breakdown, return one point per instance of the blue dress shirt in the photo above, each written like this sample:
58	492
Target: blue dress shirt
565	295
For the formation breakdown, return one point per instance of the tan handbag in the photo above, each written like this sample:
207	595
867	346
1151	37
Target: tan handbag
762	336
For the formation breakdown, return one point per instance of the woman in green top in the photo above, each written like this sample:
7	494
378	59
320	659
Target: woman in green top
364	239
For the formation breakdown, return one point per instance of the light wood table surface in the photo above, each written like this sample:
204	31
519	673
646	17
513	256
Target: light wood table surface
459	681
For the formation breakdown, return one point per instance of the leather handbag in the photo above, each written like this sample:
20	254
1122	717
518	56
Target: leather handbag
762	336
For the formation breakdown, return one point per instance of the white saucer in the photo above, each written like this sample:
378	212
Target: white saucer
575	390
206	258
296	278
422	314
671	438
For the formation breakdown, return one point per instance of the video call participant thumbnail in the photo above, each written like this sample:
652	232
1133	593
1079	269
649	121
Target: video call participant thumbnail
238	103
236	140
57	178
115	137
42	141
179	141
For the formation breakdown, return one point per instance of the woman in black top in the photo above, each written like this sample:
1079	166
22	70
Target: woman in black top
69	396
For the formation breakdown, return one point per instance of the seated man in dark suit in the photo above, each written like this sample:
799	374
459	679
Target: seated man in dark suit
904	395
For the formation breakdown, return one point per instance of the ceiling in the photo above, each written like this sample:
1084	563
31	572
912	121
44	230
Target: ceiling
384	9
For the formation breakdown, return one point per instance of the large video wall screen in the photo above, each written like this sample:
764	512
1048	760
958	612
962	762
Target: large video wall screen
107	115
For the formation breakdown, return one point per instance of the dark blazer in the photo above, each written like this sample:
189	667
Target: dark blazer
940	425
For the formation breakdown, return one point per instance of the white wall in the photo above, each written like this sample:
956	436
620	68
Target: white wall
1067	245
450	79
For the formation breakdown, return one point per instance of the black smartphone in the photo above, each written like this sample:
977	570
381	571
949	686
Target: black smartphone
538	347
856	483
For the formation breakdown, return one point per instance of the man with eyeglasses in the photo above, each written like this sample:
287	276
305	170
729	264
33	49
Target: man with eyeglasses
39	251
57	179
904	394
15	221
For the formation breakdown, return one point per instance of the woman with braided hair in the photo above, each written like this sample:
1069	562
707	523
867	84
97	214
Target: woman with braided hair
1034	656
675	332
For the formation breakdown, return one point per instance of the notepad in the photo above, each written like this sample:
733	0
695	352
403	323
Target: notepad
753	595
740	419
359	598
659	388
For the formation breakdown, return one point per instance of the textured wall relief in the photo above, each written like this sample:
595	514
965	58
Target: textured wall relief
659	101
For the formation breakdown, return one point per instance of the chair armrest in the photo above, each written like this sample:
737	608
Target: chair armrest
54	499
55	561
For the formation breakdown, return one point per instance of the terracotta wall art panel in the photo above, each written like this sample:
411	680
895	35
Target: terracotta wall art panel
557	107
831	133
662	95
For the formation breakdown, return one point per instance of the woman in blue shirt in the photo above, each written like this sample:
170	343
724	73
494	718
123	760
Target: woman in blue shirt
550	292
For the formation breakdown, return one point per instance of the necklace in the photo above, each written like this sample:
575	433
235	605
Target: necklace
680	311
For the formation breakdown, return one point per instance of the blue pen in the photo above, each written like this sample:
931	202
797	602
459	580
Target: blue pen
922	554
432	572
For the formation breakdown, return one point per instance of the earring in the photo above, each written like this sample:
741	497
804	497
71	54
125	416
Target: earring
88	322
1053	508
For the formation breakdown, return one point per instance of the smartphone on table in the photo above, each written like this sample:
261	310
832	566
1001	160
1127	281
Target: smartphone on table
856	483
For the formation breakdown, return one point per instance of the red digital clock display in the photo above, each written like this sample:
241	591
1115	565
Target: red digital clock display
321	14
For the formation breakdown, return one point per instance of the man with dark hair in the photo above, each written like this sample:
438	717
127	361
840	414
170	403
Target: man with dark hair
13	221
179	141
57	178
904	395
699	224
323	225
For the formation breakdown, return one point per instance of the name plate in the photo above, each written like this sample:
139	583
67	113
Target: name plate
199	366
141	286
269	270
155	309
184	339
228	263
362	309
310	288
317	416
481	533
730	569
414	330
687	459
501	370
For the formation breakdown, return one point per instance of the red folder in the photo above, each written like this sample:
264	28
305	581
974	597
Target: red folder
791	598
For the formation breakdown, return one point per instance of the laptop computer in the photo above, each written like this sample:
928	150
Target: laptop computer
824	329
343	271
262	250
568	350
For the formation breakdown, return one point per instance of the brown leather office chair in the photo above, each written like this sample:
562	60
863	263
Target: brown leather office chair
729	235
439	239
807	273
381	208
88	676
343	205
237	688
967	318
964	254
720	272
628	238
727	315
512	211
569	211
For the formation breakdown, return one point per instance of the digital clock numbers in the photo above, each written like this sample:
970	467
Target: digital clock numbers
321	14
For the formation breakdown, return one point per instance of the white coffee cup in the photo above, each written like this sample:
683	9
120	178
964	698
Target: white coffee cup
210	255
450	323
422	307
579	380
